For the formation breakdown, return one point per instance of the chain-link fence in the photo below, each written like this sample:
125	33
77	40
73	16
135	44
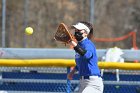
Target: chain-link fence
54	80
25	79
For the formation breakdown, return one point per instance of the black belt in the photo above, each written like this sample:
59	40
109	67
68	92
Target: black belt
86	77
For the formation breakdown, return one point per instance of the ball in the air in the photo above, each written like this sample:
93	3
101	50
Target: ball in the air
29	31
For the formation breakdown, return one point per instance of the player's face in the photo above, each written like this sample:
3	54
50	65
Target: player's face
80	34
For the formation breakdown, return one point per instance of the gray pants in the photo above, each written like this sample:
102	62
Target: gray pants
92	85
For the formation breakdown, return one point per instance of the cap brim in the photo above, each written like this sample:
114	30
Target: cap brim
81	26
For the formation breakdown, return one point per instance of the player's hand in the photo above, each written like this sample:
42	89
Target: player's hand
73	43
70	76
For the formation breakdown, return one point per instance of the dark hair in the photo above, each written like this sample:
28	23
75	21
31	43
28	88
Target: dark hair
90	26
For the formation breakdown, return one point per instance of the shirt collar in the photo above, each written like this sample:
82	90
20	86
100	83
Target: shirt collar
83	41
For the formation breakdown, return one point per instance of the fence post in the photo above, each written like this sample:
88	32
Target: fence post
68	81
3	22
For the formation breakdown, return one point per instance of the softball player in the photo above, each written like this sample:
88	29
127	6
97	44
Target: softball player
86	59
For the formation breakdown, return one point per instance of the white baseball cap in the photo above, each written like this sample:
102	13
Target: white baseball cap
81	26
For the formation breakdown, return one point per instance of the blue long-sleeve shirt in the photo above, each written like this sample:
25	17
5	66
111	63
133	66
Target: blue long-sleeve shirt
87	64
